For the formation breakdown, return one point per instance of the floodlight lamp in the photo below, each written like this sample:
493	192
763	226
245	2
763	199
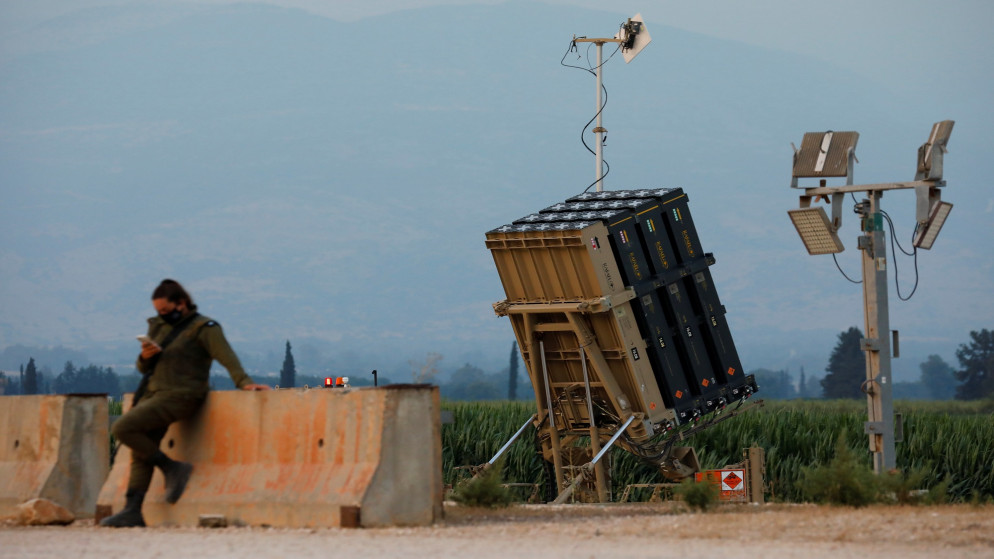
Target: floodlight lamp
930	153
825	154
816	231
927	233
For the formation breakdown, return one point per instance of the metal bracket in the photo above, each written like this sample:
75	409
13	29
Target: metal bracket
869	344
873	427
931	152
837	199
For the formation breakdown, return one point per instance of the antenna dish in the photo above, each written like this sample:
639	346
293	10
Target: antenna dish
634	37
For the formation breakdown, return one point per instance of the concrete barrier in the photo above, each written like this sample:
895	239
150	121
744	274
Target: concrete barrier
55	448
302	458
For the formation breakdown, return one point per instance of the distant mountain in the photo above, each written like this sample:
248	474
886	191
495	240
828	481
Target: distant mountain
331	182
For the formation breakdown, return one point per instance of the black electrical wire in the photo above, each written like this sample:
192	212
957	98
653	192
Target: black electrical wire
893	236
592	71
834	257
914	253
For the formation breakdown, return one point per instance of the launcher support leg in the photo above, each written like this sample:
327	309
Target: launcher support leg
588	342
595	439
557	449
585	470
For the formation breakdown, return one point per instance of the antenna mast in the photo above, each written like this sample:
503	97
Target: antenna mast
633	37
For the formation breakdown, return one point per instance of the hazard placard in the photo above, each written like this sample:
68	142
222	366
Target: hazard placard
731	483
732	480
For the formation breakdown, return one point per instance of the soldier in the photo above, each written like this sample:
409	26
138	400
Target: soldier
175	360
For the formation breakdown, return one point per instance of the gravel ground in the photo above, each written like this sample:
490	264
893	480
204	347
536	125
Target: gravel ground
575	531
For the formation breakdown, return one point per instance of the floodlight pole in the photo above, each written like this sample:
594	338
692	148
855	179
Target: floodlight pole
878	385
876	344
819	157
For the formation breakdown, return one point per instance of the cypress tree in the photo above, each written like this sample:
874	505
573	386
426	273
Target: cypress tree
288	374
846	367
512	381
30	383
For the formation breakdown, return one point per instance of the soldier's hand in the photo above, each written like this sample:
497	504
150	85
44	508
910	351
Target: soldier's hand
255	387
149	349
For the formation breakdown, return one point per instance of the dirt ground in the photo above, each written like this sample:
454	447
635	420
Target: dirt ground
547	531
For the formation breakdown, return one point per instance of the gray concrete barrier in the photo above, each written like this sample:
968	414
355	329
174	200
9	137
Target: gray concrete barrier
55	448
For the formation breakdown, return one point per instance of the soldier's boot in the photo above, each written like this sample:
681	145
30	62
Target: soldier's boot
177	474
131	514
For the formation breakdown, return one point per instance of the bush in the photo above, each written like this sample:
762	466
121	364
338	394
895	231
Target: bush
902	486
843	481
701	496
485	490
939	493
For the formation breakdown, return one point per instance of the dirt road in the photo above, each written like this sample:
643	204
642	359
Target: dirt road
575	531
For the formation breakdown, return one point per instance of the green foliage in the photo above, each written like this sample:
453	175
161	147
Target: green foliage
485	490
288	374
939	493
777	385
901	486
87	380
512	373
697	495
977	362
478	431
843	481
950	443
30	384
846	367
937	378
471	383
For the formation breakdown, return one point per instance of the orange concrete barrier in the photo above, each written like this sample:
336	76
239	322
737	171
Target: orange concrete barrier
302	458
53	447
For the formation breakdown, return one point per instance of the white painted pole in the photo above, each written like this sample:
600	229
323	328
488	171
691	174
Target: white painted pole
599	129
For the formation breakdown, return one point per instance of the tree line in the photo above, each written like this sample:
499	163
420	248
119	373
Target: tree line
846	372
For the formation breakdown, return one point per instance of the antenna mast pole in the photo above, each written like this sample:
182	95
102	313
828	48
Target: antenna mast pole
599	130
631	39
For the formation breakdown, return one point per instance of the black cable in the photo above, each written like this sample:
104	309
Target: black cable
610	56
914	253
843	272
592	71
893	236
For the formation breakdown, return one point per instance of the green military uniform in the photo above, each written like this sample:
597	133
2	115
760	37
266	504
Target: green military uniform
176	389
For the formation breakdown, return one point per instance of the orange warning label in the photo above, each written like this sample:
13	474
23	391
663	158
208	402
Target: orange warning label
731	483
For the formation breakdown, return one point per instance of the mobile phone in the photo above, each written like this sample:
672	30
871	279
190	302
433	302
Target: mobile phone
144	339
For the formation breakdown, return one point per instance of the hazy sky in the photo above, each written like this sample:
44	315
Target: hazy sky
839	31
936	51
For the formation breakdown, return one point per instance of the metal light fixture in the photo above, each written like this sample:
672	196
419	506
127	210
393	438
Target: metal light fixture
927	233
816	231
931	152
825	154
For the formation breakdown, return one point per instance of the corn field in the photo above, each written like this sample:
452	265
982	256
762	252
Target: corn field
941	439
